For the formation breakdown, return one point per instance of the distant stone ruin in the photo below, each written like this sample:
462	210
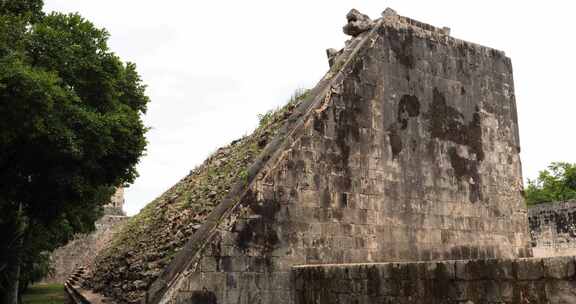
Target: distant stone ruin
395	180
84	247
553	228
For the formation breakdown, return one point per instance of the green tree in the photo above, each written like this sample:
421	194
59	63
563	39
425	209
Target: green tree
31	10
70	131
557	183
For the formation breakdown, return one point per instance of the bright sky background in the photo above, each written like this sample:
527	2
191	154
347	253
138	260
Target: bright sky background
212	66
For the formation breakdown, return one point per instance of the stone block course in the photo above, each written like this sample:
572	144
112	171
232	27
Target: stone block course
467	281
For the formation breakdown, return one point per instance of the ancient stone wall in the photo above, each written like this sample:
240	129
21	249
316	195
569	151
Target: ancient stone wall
116	203
84	247
410	153
553	228
534	281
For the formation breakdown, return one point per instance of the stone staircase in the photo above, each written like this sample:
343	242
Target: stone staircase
78	295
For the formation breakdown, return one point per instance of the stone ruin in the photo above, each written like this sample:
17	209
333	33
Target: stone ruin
396	179
553	228
83	248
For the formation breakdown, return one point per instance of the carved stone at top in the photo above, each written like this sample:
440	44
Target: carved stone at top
388	12
332	55
358	23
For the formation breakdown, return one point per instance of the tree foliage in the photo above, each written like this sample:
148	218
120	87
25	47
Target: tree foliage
31	10
557	183
70	128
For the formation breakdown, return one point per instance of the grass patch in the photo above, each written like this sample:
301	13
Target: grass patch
44	294
274	115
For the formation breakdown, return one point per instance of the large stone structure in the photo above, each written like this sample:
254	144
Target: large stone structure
407	150
84	247
553	228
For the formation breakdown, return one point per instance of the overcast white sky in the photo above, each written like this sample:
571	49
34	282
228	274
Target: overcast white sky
212	66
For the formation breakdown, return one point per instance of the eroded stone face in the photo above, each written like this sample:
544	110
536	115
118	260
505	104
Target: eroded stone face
553	228
411	154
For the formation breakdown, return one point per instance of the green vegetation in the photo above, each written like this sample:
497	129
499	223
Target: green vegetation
44	294
265	118
271	115
244	176
150	239
70	131
557	183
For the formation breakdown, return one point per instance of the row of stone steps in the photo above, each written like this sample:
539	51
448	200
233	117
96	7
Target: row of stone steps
77	277
77	294
72	284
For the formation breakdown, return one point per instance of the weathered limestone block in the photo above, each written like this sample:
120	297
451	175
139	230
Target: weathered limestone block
332	55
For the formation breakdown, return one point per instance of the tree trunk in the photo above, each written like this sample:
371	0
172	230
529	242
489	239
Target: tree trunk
10	274
12	278
12	289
